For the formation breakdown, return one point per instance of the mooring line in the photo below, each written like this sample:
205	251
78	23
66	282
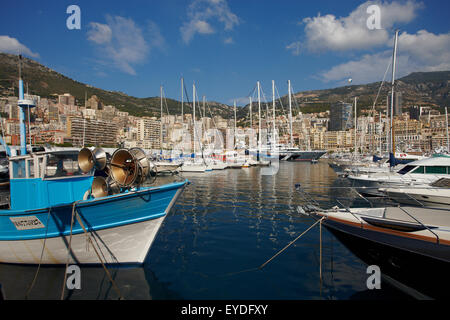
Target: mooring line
99	258
69	249
40	260
287	246
77	216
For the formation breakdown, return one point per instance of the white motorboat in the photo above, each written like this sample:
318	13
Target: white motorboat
417	173
409	244
217	165
189	166
167	167
437	194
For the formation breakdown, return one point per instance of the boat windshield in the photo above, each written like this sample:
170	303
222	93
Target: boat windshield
62	165
406	169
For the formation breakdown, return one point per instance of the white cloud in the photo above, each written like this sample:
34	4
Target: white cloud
122	43
423	51
12	45
329	32
228	40
202	14
99	33
295	48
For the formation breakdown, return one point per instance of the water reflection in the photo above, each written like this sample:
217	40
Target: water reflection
134	283
229	222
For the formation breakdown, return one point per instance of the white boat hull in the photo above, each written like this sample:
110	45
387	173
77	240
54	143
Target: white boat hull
193	168
125	244
428	197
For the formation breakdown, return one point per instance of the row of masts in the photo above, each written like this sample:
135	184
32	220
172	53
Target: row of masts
291	144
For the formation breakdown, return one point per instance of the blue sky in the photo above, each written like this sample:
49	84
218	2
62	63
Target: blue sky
225	46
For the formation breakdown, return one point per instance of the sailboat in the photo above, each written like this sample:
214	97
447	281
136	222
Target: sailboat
58	217
194	165
164	166
420	172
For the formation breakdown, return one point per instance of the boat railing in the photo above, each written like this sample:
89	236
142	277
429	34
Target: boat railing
419	222
313	205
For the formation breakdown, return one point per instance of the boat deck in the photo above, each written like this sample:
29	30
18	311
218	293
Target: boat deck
432	225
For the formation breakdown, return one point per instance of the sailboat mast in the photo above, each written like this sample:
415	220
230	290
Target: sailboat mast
193	111
446	128
355	126
394	61
235	119
290	114
259	117
161	121
182	99
273	122
251	120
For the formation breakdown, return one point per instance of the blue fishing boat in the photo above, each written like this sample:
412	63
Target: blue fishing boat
61	211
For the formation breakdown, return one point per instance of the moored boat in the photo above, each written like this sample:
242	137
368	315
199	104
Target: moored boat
63	210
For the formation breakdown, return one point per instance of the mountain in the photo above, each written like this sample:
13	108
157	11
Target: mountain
419	88
48	83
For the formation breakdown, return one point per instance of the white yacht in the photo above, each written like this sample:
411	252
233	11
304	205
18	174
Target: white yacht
417	173
437	194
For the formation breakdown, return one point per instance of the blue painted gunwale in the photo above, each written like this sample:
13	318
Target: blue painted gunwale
97	214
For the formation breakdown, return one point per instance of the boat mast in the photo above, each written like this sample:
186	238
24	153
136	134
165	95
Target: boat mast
251	120
259	117
23	104
394	60
235	125
446	128
273	125
193	111
290	114
380	135
182	100
161	121
355	126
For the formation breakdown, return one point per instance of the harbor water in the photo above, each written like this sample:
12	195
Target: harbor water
225	225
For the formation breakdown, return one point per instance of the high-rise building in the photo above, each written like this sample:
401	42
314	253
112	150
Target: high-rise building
414	113
398	103
94	132
340	116
149	129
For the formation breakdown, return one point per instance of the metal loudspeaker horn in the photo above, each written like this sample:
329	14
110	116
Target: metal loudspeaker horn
88	159
99	187
143	165
124	167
